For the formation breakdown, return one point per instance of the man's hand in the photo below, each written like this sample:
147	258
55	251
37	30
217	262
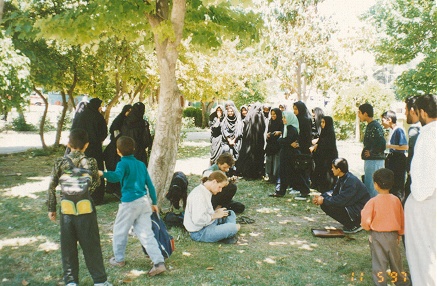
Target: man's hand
318	200
52	216
367	153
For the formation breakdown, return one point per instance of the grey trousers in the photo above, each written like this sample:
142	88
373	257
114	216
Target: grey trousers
385	252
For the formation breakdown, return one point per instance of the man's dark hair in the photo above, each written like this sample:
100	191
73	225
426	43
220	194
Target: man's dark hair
226	158
390	115
384	178
366	108
78	138
428	103
341	163
410	102
126	145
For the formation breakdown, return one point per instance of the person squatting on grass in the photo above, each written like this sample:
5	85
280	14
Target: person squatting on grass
200	219
345	202
135	209
383	216
82	228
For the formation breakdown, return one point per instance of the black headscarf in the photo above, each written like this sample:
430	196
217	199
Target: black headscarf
94	104
135	117
327	139
118	121
276	125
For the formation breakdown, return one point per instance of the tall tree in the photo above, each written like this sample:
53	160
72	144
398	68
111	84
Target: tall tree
95	21
407	34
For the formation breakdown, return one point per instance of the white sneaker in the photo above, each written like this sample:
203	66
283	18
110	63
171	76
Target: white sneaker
71	284
103	284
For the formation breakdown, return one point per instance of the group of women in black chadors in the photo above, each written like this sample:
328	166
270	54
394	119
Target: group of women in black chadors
130	122
266	142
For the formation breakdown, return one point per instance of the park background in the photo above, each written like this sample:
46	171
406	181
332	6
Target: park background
333	54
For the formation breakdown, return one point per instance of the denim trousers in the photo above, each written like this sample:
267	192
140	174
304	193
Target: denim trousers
220	229
137	214
370	166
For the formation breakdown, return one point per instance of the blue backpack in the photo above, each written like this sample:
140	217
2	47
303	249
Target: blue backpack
164	239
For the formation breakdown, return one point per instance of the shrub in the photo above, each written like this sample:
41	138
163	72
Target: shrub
20	124
195	113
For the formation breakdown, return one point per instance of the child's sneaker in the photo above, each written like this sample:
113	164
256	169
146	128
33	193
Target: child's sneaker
157	269
114	262
103	284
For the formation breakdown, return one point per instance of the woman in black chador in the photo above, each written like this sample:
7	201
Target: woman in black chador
324	152
250	163
110	153
93	122
215	124
274	131
232	131
136	127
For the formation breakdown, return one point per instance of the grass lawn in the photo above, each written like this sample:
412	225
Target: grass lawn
278	249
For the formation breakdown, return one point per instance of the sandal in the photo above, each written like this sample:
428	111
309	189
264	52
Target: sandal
245	220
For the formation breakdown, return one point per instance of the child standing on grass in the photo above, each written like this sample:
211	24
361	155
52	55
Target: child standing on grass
80	228
383	215
135	209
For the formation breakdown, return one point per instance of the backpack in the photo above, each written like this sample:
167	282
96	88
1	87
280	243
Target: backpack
75	184
164	239
172	219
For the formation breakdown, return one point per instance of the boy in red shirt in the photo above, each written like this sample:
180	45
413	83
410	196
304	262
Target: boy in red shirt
383	215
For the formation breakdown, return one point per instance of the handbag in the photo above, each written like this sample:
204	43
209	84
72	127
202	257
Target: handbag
303	162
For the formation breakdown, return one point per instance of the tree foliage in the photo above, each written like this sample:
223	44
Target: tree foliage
407	34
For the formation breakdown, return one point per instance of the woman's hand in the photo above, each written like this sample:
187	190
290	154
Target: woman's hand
295	144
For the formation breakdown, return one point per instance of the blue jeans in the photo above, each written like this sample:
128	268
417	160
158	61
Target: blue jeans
220	229
370	166
137	214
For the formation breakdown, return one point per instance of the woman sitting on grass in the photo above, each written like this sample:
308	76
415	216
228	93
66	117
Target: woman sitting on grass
201	220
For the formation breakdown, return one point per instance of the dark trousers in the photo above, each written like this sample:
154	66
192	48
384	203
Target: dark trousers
340	214
397	162
82	229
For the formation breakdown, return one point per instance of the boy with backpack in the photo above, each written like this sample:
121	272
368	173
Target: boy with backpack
383	216
135	209
78	216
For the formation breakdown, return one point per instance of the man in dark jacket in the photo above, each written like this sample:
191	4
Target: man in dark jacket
345	202
93	122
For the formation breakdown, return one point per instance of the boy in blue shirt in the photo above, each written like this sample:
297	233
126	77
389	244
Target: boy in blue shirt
135	209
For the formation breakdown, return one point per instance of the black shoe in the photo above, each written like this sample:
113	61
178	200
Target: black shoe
354	229
230	240
276	195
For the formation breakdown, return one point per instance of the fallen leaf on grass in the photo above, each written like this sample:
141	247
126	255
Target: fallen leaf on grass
24	283
210	268
284	221
241	251
308	218
135	273
127	280
186	253
254	234
244	243
269	260
274	243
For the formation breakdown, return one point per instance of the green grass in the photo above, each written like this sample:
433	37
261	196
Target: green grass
278	249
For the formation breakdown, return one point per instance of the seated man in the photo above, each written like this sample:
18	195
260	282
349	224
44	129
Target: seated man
345	202
224	199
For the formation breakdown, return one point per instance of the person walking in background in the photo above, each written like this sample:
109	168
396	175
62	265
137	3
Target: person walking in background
288	150
324	152
383	216
78	228
215	124
374	146
396	159
110	154
135	209
274	131
302	182
232	132
136	127
201	220
93	122
420	207
413	132
345	202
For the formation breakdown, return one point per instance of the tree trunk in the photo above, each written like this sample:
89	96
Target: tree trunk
168	125
60	124
43	118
